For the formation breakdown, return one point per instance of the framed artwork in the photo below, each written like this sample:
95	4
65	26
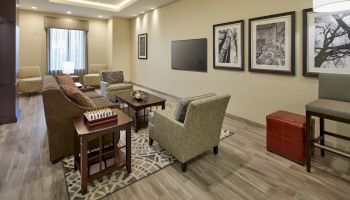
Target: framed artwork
228	47
326	43
143	46
272	44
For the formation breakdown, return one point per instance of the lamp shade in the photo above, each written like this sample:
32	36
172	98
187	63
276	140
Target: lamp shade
331	5
68	67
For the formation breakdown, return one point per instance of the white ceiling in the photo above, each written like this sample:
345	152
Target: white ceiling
105	8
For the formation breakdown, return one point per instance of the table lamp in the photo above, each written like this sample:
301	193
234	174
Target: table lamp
68	67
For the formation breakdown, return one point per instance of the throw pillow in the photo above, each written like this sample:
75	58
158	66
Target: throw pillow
112	77
182	106
65	80
77	96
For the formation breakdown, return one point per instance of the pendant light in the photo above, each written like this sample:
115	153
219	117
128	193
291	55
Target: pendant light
331	5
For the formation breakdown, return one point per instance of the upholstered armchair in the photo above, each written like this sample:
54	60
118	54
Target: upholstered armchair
199	132
112	83
29	79
93	76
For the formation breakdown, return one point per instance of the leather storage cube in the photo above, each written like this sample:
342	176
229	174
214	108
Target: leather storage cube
285	135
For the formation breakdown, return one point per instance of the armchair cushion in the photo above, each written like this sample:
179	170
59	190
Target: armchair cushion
182	106
119	86
65	80
77	96
112	77
91	79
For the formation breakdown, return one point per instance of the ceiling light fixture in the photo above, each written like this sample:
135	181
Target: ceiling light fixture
69	12
33	7
100	16
17	5
331	5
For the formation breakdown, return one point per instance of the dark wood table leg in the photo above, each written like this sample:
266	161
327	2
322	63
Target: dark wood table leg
128	150
76	150
308	141
137	120
322	134
84	165
163	105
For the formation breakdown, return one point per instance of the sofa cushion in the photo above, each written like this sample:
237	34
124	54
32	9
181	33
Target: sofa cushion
103	102
119	86
112	77
77	96
65	80
93	94
182	106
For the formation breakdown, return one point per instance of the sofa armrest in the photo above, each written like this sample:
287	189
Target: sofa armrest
103	86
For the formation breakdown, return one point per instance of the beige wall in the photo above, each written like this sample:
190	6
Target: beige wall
119	45
33	39
253	95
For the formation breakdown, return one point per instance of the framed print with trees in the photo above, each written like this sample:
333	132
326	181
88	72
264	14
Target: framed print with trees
228	47
143	46
326	43
272	44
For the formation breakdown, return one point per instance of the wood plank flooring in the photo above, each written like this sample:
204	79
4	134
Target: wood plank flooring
243	169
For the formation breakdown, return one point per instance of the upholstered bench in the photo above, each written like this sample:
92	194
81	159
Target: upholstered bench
285	135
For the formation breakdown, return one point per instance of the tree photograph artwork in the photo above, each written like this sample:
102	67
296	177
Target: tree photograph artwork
228	45
327	42
272	44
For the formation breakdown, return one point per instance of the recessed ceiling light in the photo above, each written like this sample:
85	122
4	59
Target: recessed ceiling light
69	12
17	5
33	7
100	16
152	8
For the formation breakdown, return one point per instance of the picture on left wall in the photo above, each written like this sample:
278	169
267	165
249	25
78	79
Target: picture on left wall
228	45
142	46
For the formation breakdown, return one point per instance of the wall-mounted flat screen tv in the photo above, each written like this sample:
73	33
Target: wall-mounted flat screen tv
189	55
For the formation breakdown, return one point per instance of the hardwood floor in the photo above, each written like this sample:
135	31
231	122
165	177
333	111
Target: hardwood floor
243	169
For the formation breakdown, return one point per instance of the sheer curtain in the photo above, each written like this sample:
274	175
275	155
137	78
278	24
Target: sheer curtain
66	45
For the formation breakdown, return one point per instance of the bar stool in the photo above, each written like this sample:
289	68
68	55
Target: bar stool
333	104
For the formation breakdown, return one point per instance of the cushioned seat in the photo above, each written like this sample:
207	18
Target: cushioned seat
334	108
119	86
93	94
92	79
103	102
168	113
30	79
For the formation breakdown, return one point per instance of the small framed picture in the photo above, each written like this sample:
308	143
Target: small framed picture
272	44
228	47
326	43
143	46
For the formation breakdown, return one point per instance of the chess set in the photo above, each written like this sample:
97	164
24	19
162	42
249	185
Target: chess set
99	117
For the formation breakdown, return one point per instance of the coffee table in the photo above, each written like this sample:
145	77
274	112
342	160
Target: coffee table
84	135
138	105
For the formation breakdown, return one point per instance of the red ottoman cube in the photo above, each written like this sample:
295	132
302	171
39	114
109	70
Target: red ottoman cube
285	135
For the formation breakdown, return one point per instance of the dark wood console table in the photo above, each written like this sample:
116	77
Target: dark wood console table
84	135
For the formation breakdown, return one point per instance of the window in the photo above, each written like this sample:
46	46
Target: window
66	45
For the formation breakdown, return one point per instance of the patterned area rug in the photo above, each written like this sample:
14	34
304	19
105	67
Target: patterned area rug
146	160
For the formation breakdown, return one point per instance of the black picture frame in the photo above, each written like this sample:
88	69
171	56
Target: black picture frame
241	46
309	42
292	44
145	46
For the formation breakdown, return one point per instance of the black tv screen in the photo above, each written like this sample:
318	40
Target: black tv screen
190	55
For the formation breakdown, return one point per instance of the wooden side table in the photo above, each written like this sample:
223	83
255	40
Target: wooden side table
75	78
84	135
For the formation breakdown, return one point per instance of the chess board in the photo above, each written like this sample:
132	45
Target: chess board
100	117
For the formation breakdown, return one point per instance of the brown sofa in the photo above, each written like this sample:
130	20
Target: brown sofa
59	112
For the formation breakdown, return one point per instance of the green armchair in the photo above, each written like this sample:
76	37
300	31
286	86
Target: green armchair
199	132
